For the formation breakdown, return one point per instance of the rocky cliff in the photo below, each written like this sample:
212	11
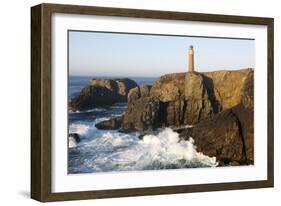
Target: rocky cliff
102	92
218	105
185	98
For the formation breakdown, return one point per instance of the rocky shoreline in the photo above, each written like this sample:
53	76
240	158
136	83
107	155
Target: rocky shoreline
218	105
102	92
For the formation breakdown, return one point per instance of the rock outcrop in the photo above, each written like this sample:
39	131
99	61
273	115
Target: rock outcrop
214	108
137	93
185	98
111	124
228	136
73	140
119	86
143	112
75	136
199	102
102	92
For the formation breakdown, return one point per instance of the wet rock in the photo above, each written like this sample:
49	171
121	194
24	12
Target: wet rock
75	136
228	136
73	140
218	105
111	124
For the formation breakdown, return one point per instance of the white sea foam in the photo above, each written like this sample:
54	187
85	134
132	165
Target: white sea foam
72	142
86	131
97	109
114	151
166	150
79	128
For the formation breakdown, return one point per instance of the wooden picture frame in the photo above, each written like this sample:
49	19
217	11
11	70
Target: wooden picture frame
41	95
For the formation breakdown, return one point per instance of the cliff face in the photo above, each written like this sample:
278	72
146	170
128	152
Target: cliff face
228	86
218	104
143	112
228	135
102	92
224	86
187	98
214	108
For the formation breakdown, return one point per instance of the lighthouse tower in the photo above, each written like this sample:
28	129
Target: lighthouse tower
191	59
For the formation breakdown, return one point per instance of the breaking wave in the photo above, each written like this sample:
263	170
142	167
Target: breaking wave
114	151
98	109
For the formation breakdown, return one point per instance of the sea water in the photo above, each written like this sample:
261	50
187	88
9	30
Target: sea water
110	150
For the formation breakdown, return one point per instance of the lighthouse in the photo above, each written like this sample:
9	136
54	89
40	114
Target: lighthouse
191	59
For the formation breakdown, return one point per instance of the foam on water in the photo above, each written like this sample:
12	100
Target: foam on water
98	109
86	130
72	142
79	128
110	150
114	151
168	148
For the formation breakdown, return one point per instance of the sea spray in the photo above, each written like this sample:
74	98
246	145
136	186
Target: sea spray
168	148
79	128
115	151
72	142
165	150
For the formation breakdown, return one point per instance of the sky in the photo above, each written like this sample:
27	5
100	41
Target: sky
138	55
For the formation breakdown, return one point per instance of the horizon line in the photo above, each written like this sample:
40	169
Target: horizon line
88	75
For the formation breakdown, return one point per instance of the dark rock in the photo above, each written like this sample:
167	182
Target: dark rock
94	96
138	92
143	111
119	86
188	98
144	114
219	105
245	113
234	163
228	136
75	136
112	124
174	111
228	86
142	134
102	92
169	87
198	102
247	94
246	119
133	95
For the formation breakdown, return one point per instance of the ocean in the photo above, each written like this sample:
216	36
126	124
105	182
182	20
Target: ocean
110	150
